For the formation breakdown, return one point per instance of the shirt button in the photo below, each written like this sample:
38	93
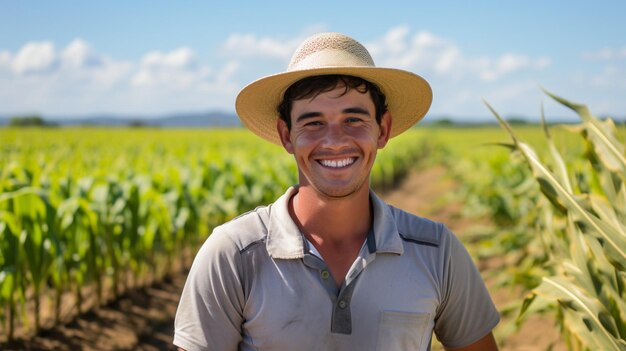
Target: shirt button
342	304
325	274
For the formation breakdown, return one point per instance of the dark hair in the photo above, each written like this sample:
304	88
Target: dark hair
312	86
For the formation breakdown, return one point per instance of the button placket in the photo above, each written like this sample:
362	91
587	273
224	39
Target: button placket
341	296
342	315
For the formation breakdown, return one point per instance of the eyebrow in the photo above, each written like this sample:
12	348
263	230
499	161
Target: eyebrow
308	115
357	110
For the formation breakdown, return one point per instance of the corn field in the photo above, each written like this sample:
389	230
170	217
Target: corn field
88	213
95	212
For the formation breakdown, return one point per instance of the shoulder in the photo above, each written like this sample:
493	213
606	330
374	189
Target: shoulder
223	250
244	230
418	229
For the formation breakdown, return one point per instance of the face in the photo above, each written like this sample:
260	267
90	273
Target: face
334	139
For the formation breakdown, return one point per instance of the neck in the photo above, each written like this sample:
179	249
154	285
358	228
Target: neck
332	220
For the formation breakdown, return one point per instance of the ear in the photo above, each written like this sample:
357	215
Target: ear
385	129
285	135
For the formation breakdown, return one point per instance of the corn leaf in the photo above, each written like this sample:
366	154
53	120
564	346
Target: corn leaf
595	334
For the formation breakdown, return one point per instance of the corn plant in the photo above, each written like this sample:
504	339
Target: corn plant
584	231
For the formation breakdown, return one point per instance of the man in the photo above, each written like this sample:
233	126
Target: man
329	265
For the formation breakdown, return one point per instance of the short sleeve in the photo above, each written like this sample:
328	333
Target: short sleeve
210	311
467	312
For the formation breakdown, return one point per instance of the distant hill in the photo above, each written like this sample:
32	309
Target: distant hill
212	119
180	120
225	119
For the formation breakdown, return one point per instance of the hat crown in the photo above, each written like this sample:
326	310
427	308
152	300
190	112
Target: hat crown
328	50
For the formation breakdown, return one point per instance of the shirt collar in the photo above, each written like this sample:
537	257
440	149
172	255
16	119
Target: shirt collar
385	230
285	241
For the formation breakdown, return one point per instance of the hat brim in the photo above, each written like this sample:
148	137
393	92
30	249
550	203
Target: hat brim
408	97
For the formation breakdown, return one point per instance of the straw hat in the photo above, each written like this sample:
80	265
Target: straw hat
408	95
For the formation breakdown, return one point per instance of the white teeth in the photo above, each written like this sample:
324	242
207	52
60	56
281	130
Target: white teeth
337	163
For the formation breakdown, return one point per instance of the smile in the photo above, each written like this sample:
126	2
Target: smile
337	163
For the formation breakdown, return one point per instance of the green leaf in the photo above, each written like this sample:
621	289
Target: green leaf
587	311
607	146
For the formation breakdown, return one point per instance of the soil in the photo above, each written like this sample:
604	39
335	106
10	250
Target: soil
143	318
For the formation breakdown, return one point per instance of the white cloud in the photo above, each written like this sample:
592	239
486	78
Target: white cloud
511	63
393	41
422	52
181	58
81	67
426	53
461	81
610	77
40	63
249	45
35	57
5	61
75	78
541	63
492	70
605	54
227	73
80	54
176	69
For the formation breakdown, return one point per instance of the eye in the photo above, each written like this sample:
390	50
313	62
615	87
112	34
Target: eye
353	120
313	124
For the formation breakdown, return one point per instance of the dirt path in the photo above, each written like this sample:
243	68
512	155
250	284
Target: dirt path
427	193
143	320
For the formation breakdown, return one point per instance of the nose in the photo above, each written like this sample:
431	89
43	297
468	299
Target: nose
335	137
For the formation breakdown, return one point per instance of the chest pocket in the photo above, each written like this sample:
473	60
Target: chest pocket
403	331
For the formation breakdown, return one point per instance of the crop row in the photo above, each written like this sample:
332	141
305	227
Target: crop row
99	211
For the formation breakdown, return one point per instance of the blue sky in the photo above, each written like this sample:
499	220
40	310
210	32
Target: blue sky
75	58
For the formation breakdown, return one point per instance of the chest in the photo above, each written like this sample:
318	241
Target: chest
384	298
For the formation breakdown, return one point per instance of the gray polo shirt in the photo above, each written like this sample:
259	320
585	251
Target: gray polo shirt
256	285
